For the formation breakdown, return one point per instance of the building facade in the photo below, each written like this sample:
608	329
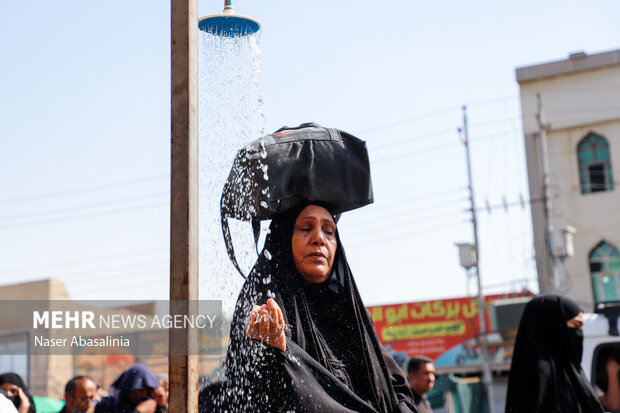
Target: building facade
571	124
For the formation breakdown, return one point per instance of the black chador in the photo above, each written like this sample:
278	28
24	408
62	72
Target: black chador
546	374
333	361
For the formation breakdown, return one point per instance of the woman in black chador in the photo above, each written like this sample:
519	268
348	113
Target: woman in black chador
301	339
546	374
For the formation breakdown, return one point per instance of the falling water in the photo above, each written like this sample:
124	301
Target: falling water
230	115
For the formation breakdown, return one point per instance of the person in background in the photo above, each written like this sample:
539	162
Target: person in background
160	394
17	392
610	395
80	395
422	379
546	374
132	392
6	405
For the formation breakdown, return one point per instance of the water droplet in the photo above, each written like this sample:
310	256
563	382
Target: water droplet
264	204
267	254
265	177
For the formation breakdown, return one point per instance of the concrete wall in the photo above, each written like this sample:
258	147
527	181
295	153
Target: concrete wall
48	374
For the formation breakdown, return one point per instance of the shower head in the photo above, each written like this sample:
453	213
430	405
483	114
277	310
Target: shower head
229	24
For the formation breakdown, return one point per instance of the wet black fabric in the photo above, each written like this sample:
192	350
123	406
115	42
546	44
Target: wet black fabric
546	375
333	361
308	162
16	379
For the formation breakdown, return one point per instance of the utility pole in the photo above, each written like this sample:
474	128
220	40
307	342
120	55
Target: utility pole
183	368
551	279
487	377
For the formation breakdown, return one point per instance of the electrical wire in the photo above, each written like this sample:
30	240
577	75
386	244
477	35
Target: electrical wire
419	232
90	260
82	207
447	109
82	190
407	120
81	216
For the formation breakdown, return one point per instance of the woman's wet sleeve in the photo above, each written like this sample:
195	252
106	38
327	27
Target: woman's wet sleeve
400	384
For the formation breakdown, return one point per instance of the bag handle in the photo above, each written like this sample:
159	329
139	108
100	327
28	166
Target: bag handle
229	245
227	237
230	249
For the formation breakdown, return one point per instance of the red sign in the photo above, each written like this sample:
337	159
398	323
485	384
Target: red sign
429	328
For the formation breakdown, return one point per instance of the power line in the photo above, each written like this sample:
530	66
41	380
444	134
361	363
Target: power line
410	153
446	145
427	115
412	138
419	232
407	120
82	190
159	262
80	216
397	219
437	132
84	206
413	202
489	101
89	260
113	272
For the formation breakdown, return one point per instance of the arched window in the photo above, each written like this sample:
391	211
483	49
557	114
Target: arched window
594	164
605	272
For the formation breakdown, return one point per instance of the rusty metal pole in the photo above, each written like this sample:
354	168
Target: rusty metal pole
183	368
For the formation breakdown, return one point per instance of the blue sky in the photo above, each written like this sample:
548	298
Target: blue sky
85	163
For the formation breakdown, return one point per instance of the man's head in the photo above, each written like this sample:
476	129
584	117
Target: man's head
80	392
421	374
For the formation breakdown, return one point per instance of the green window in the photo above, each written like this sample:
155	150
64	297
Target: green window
605	272
594	164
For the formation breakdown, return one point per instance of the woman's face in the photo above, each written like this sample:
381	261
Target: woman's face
11	389
576	322
314	243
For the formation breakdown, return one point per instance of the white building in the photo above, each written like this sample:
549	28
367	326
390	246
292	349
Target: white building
580	101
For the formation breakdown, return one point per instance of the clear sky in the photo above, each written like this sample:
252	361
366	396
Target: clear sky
85	159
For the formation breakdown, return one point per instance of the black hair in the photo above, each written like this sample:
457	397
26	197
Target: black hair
415	363
71	385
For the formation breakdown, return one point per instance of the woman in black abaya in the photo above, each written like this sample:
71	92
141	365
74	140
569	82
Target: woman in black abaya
17	391
301	338
546	374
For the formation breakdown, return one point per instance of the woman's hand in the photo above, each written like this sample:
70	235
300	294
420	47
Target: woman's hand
24	403
266	324
147	406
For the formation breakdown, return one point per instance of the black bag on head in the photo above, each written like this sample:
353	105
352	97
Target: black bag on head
306	163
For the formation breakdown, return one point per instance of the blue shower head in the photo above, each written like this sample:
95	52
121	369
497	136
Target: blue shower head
229	24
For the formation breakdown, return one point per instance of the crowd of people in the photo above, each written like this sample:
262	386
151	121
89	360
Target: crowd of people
136	390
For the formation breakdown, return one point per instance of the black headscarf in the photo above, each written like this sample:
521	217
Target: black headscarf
333	361
15	379
546	374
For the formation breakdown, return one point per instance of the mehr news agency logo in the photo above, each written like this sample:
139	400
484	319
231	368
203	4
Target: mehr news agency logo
88	320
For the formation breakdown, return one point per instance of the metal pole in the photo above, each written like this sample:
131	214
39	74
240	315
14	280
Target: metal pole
183	369
487	378
551	279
